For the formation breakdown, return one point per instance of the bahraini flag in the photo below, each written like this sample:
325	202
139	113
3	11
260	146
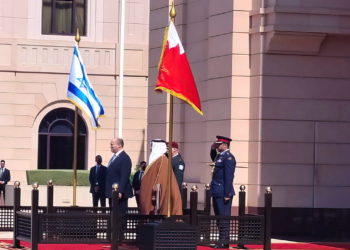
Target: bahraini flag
80	91
175	75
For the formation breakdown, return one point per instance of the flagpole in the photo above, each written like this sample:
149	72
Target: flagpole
171	119
75	143
121	68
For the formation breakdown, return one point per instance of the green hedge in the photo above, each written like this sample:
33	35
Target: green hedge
59	177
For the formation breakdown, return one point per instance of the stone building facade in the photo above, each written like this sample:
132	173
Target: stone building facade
34	69
274	76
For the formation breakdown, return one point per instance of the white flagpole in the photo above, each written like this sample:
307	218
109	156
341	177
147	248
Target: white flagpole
121	67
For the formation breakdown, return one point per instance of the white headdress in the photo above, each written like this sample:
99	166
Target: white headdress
158	148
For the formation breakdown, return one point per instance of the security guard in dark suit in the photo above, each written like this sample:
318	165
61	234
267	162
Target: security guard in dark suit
222	190
5	177
97	178
178	164
136	181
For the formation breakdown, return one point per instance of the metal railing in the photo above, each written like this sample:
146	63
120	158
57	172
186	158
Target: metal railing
46	225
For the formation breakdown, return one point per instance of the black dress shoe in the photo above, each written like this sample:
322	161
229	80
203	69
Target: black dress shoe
221	246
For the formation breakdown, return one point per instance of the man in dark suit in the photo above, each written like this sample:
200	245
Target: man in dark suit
136	182
178	164
5	177
97	182
222	190
118	171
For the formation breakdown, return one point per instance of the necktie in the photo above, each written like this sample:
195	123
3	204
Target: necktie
96	177
140	176
112	159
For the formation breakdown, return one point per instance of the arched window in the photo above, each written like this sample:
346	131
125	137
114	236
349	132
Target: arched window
55	150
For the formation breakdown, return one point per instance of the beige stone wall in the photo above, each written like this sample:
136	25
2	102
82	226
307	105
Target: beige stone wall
216	40
22	19
34	71
273	76
300	95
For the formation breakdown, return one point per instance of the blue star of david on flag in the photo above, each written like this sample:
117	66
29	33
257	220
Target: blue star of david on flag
82	82
80	91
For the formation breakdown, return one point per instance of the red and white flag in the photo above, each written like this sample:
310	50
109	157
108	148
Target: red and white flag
175	75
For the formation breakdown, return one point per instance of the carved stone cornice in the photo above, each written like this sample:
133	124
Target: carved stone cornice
47	56
292	27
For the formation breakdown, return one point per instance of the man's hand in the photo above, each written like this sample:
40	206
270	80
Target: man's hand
120	195
226	198
2	182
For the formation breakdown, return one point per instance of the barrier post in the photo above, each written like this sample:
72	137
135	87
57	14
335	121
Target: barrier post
49	197
241	212
16	206
184	195
207	203
242	199
115	217
267	217
34	219
193	205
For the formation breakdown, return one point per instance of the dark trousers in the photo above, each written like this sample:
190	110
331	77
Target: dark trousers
223	208
2	190
98	197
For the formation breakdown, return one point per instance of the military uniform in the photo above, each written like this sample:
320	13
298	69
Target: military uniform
222	187
179	169
222	183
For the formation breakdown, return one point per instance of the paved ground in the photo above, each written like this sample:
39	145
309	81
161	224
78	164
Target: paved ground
6	235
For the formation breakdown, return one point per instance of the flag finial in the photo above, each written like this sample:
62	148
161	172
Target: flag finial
172	12
77	36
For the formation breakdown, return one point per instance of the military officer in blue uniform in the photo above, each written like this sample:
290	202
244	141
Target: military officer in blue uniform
222	190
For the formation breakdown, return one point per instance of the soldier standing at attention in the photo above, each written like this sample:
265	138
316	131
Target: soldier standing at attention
222	185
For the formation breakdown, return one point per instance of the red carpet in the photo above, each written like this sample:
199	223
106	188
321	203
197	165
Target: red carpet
7	244
292	246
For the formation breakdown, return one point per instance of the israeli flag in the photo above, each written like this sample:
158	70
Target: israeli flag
80	91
